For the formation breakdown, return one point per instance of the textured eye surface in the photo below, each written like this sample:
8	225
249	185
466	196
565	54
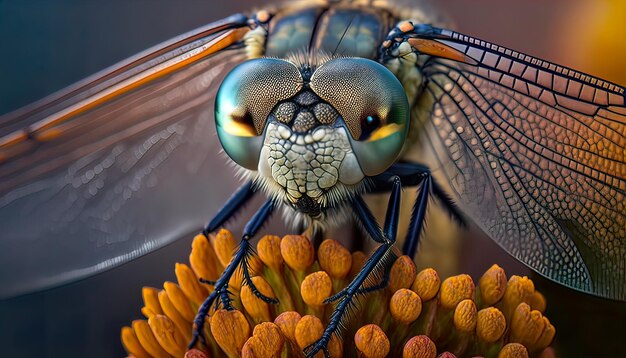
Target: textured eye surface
245	100
373	105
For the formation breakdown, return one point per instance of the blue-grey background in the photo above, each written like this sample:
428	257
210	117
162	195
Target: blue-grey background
47	45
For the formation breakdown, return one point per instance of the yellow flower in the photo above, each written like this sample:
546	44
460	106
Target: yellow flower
417	315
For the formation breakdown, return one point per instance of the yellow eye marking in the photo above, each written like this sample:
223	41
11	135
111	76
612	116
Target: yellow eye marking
385	131
239	129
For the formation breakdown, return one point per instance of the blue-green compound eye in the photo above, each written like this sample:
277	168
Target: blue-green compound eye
244	101
373	105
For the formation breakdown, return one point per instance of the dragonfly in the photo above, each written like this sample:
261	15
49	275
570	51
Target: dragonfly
530	151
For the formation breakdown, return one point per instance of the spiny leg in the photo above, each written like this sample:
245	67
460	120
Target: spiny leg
413	174
387	238
234	203
220	293
243	194
418	216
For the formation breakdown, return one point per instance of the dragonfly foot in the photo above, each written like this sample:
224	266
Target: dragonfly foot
221	296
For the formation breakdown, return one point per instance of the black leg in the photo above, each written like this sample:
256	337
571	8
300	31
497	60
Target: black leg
417	219
241	196
236	201
367	220
240	259
410	174
413	174
387	238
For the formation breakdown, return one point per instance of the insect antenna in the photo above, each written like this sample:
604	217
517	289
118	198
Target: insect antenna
344	33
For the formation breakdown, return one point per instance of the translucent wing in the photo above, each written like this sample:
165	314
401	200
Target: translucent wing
535	154
115	166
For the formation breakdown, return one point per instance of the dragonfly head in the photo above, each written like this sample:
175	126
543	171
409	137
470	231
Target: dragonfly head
311	134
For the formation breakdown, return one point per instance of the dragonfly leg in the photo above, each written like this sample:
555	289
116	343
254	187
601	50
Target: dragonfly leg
376	263
414	174
234	203
220	294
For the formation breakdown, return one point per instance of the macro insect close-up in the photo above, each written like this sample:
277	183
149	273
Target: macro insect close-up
379	124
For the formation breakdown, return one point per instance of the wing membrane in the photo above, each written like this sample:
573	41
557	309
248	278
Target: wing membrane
535	154
75	189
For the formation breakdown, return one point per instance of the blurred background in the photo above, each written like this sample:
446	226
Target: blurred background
48	45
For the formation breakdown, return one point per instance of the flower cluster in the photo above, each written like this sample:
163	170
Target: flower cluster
417	315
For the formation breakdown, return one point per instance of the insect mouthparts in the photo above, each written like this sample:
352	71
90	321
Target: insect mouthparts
308	206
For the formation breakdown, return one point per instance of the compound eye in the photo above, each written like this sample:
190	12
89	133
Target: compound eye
244	102
373	106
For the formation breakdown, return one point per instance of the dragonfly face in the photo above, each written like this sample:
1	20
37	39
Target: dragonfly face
311	132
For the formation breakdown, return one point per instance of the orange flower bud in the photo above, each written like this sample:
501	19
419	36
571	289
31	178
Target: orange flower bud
297	251
308	330
131	343
147	312
426	284
167	335
526	325
513	350
335	259
263	16
189	283
335	347
372	342
538	302
402	274
456	289
266	341
405	306
465	316
224	244
203	259
490	324
258	309
492	285
183	326
268	249
315	288
151	299
147	340
405	26
287	322
179	300
268	332
546	337
518	290
230	330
